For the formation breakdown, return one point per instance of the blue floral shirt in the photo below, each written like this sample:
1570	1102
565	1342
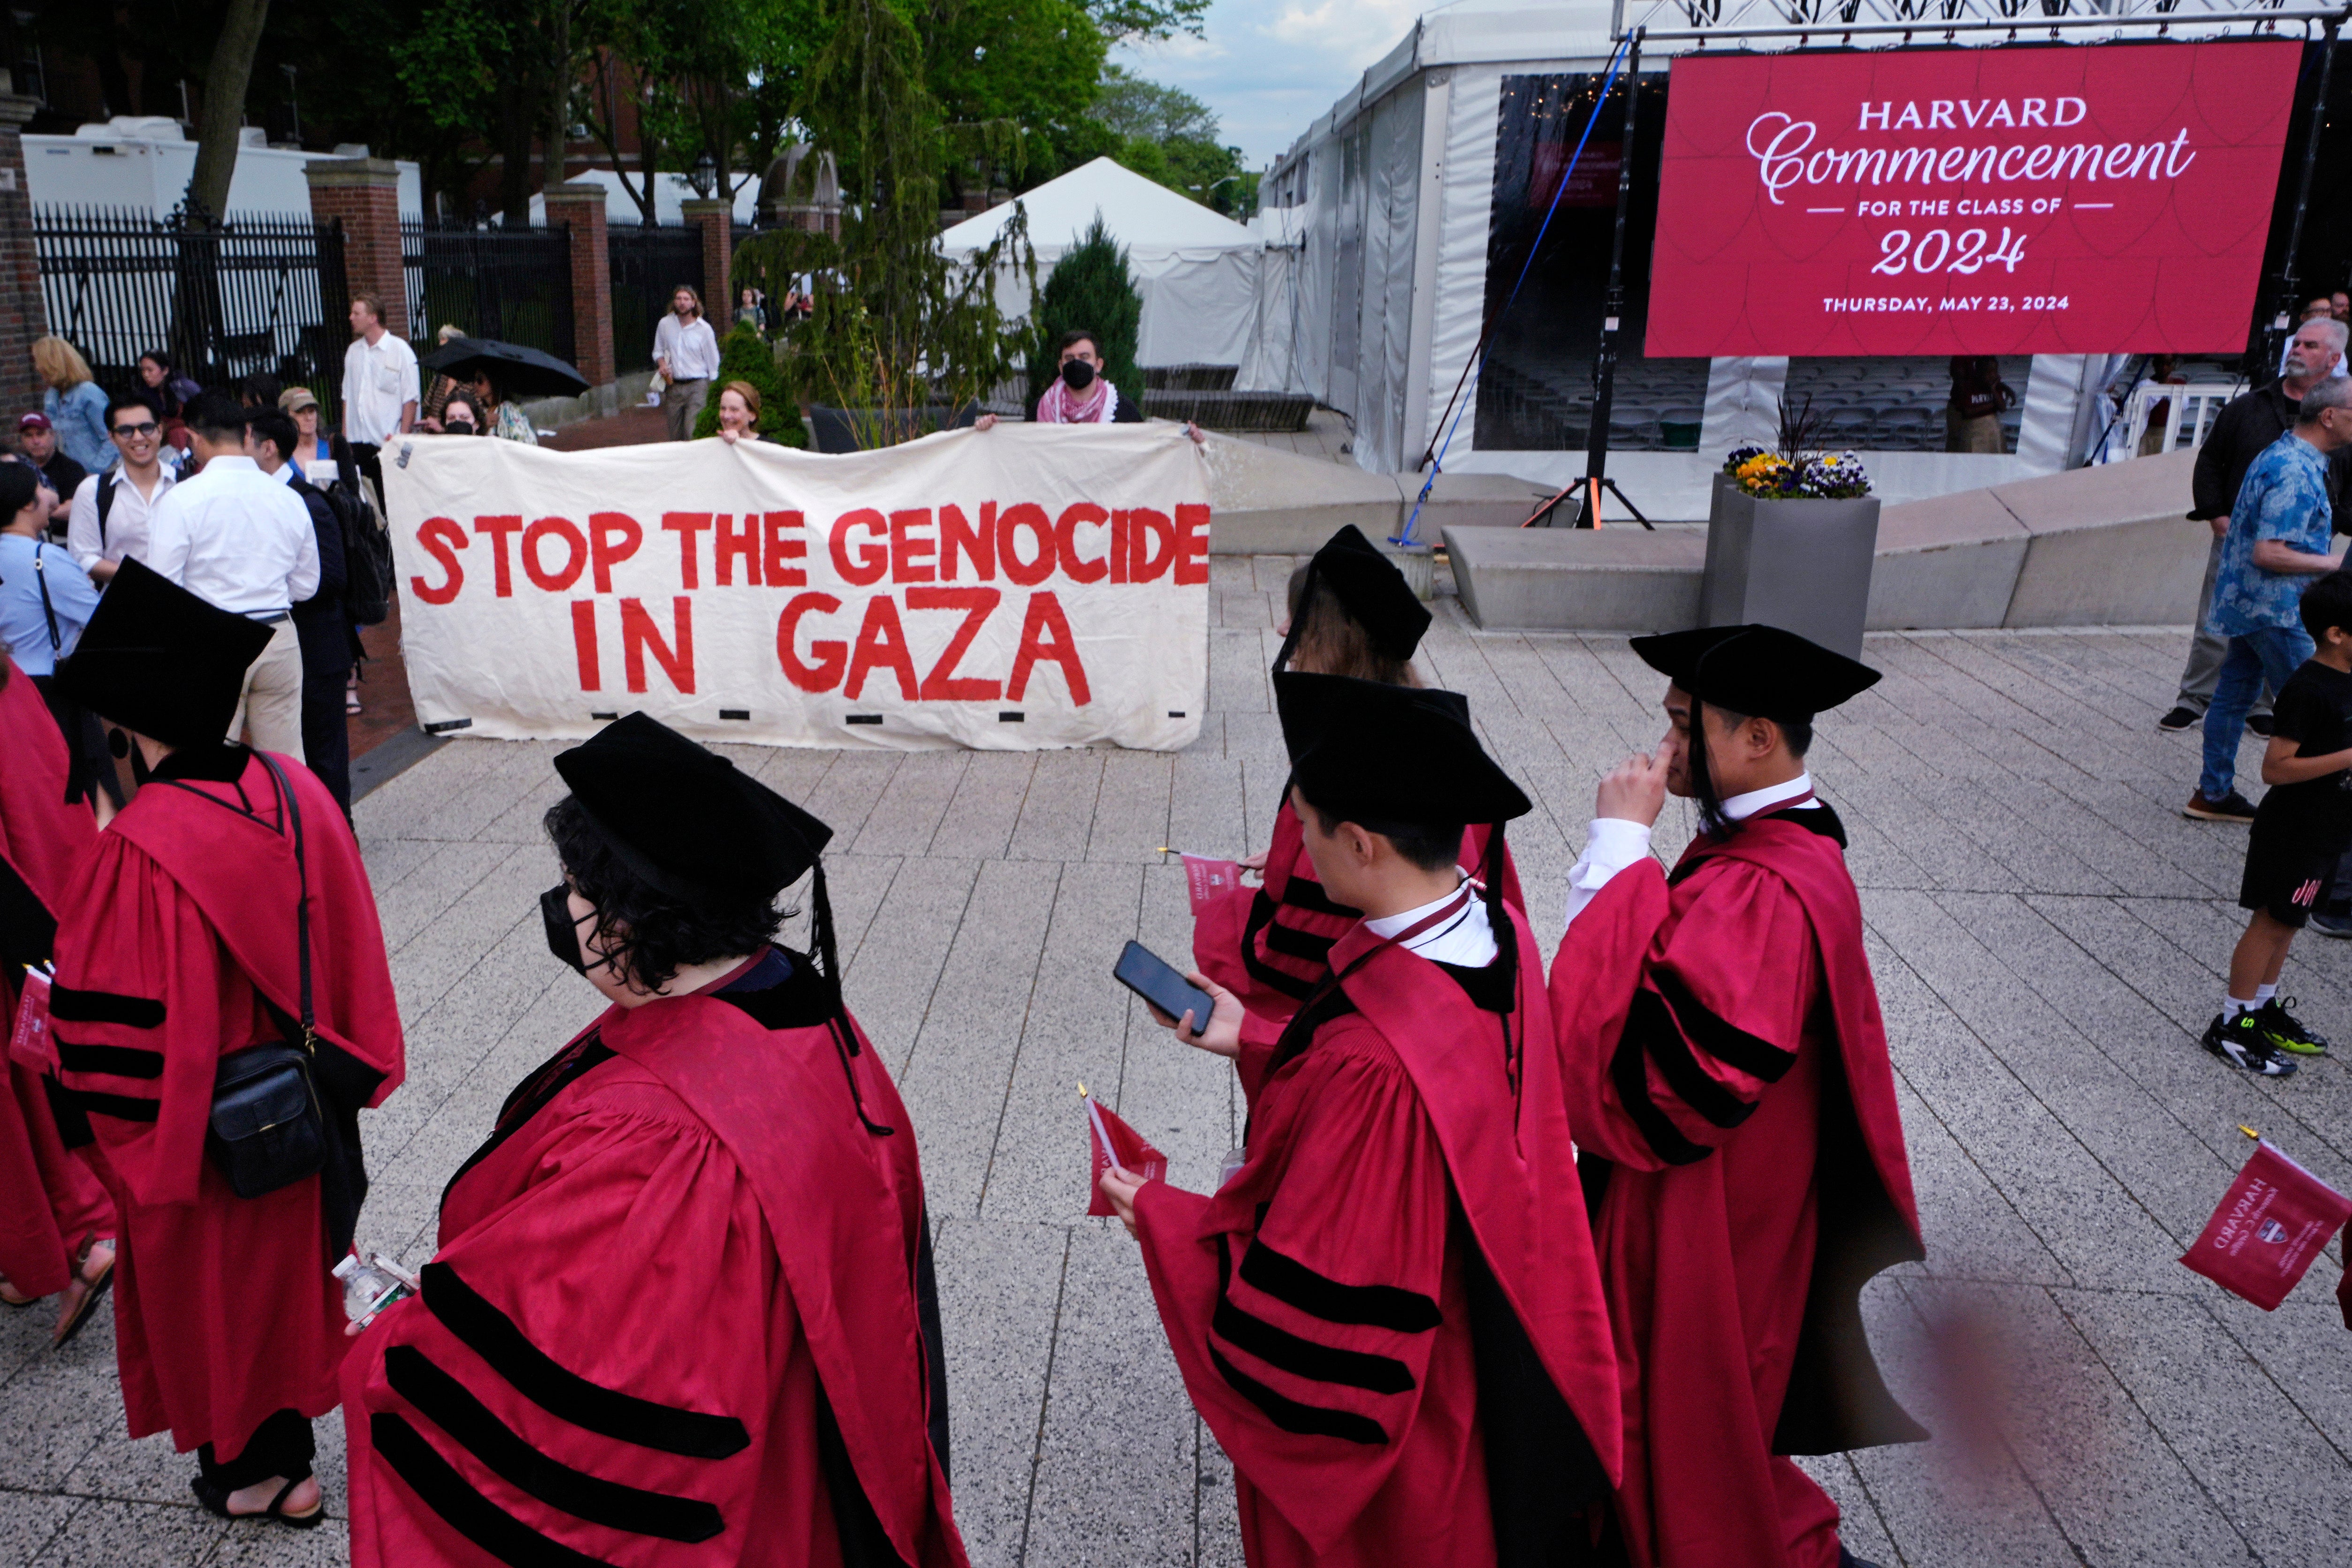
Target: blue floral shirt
2284	497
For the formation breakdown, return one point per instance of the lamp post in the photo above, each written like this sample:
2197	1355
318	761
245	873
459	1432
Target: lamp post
704	175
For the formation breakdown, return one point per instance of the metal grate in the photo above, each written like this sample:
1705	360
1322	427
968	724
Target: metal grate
648	264
261	292
1827	22
513	284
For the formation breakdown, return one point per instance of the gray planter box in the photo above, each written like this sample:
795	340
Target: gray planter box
1803	566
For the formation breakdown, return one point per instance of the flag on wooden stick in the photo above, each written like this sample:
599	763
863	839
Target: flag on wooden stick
1112	1142
2274	1219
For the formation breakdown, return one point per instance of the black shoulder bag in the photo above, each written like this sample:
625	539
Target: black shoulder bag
268	1126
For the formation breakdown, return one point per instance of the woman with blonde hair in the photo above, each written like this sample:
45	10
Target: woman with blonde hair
739	413
75	403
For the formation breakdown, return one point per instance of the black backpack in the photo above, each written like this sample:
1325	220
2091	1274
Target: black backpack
367	543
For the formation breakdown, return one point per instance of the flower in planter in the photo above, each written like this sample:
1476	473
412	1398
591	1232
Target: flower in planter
1739	456
1766	475
1833	477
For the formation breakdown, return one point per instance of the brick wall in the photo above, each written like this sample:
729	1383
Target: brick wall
365	193
716	219
582	207
22	317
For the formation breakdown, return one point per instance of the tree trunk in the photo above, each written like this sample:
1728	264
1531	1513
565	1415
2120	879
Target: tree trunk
514	169
559	99
225	84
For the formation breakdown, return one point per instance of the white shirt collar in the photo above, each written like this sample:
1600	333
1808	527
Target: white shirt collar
1466	941
230	462
1741	806
285	474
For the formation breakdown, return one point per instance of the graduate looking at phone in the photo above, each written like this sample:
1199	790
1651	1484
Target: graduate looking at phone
1350	613
683	1307
1729	1087
1389	1314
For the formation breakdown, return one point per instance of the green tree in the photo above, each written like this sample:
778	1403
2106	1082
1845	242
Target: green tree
1090	290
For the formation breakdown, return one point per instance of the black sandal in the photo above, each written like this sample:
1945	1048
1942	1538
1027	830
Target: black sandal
77	1311
215	1501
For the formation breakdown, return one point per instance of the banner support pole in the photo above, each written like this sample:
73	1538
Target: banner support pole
2289	284
1605	366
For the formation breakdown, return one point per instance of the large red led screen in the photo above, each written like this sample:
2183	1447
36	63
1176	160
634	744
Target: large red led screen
2107	198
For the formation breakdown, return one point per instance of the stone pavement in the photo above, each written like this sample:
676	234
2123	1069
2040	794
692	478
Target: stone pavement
2049	937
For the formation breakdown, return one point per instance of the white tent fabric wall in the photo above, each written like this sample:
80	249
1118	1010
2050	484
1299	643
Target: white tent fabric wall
1272	362
1384	318
1467	209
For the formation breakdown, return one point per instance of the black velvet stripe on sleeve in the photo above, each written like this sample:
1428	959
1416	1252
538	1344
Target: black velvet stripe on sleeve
28	933
104	1007
1307	1420
121	1107
493	1336
1293	1284
1629	1073
1307	947
454	1408
1656	1025
114	1060
1261	916
463	1509
1725	1042
1304	1358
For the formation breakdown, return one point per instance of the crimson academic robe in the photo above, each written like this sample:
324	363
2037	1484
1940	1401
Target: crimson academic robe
1728	1084
1387	1316
1268	944
48	1200
682	1312
179	940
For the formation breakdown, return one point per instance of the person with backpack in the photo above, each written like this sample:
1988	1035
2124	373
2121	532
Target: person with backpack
320	626
111	508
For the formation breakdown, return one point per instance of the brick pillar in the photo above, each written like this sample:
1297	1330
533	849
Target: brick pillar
22	314
716	219
581	205
365	193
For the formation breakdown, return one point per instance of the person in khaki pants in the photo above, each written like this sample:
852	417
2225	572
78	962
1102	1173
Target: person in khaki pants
241	540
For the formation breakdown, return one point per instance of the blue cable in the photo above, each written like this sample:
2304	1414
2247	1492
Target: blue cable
1470	389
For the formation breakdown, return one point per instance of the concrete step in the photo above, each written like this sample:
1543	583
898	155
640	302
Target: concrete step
1580	580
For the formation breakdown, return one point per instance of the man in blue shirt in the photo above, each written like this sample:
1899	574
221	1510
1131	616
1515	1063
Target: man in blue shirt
46	599
2278	540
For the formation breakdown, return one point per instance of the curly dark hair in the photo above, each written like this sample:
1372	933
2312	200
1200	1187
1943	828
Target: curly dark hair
649	935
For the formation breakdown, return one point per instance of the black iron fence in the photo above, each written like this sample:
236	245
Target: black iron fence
260	292
648	264
514	285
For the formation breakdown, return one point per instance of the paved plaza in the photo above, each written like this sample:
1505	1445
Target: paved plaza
2049	935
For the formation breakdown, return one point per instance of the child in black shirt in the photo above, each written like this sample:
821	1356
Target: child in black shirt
2301	830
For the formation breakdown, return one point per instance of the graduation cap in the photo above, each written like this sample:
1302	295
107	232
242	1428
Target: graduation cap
1757	670
1369	589
686	819
1373	753
157	659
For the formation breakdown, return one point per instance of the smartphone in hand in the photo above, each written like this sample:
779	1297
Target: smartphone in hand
1150	977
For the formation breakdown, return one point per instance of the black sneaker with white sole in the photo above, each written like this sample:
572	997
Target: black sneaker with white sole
2230	807
2182	717
2242	1043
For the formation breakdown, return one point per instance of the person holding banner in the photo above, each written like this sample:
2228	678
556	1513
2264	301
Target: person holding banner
222	1011
1080	394
1389	1315
57	1224
1350	613
683	1307
1734	1109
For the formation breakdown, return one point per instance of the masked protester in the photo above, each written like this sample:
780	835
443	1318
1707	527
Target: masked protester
1389	1316
1729	1086
1351	613
1081	392
682	1310
222	1011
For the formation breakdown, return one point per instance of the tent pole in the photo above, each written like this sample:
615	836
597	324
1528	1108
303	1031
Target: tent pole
1605	366
2288	283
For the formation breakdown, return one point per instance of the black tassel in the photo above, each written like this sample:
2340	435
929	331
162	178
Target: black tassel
1506	952
845	1035
1711	820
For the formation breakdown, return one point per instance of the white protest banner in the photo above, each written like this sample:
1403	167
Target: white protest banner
1014	588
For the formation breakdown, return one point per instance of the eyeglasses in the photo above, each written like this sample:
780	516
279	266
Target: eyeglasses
131	430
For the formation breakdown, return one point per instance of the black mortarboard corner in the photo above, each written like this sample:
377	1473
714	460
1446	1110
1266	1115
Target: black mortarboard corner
1757	670
159	661
1371	589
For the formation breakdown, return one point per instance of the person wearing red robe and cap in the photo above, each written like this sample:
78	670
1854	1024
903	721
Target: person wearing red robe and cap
682	1310
57	1224
222	1006
1388	1316
1351	613
1730	1088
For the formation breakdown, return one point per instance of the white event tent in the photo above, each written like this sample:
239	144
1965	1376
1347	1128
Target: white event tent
1196	270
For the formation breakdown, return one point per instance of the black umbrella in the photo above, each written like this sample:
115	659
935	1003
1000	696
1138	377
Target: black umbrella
516	370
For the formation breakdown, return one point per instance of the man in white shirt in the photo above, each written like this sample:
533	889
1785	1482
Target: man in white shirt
686	352
379	386
241	540
112	510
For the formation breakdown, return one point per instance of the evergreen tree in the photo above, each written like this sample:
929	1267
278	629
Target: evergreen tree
1090	289
745	356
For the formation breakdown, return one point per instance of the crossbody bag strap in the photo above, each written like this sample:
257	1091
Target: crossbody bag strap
48	610
302	896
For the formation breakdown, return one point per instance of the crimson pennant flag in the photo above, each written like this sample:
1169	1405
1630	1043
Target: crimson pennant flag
28	1036
2274	1221
1108	1139
1208	881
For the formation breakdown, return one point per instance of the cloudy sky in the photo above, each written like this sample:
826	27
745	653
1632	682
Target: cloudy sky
1269	67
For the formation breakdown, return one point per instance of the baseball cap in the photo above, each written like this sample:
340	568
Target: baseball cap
295	398
33	421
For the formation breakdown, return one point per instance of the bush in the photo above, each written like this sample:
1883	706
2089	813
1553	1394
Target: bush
745	356
1090	288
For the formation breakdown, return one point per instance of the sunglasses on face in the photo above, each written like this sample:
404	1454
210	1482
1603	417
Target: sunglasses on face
133	429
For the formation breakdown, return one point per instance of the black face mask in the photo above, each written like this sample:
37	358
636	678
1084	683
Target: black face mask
1078	374
562	931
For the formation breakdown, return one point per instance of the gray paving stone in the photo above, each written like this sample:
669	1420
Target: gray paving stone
1001	1290
29	1520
